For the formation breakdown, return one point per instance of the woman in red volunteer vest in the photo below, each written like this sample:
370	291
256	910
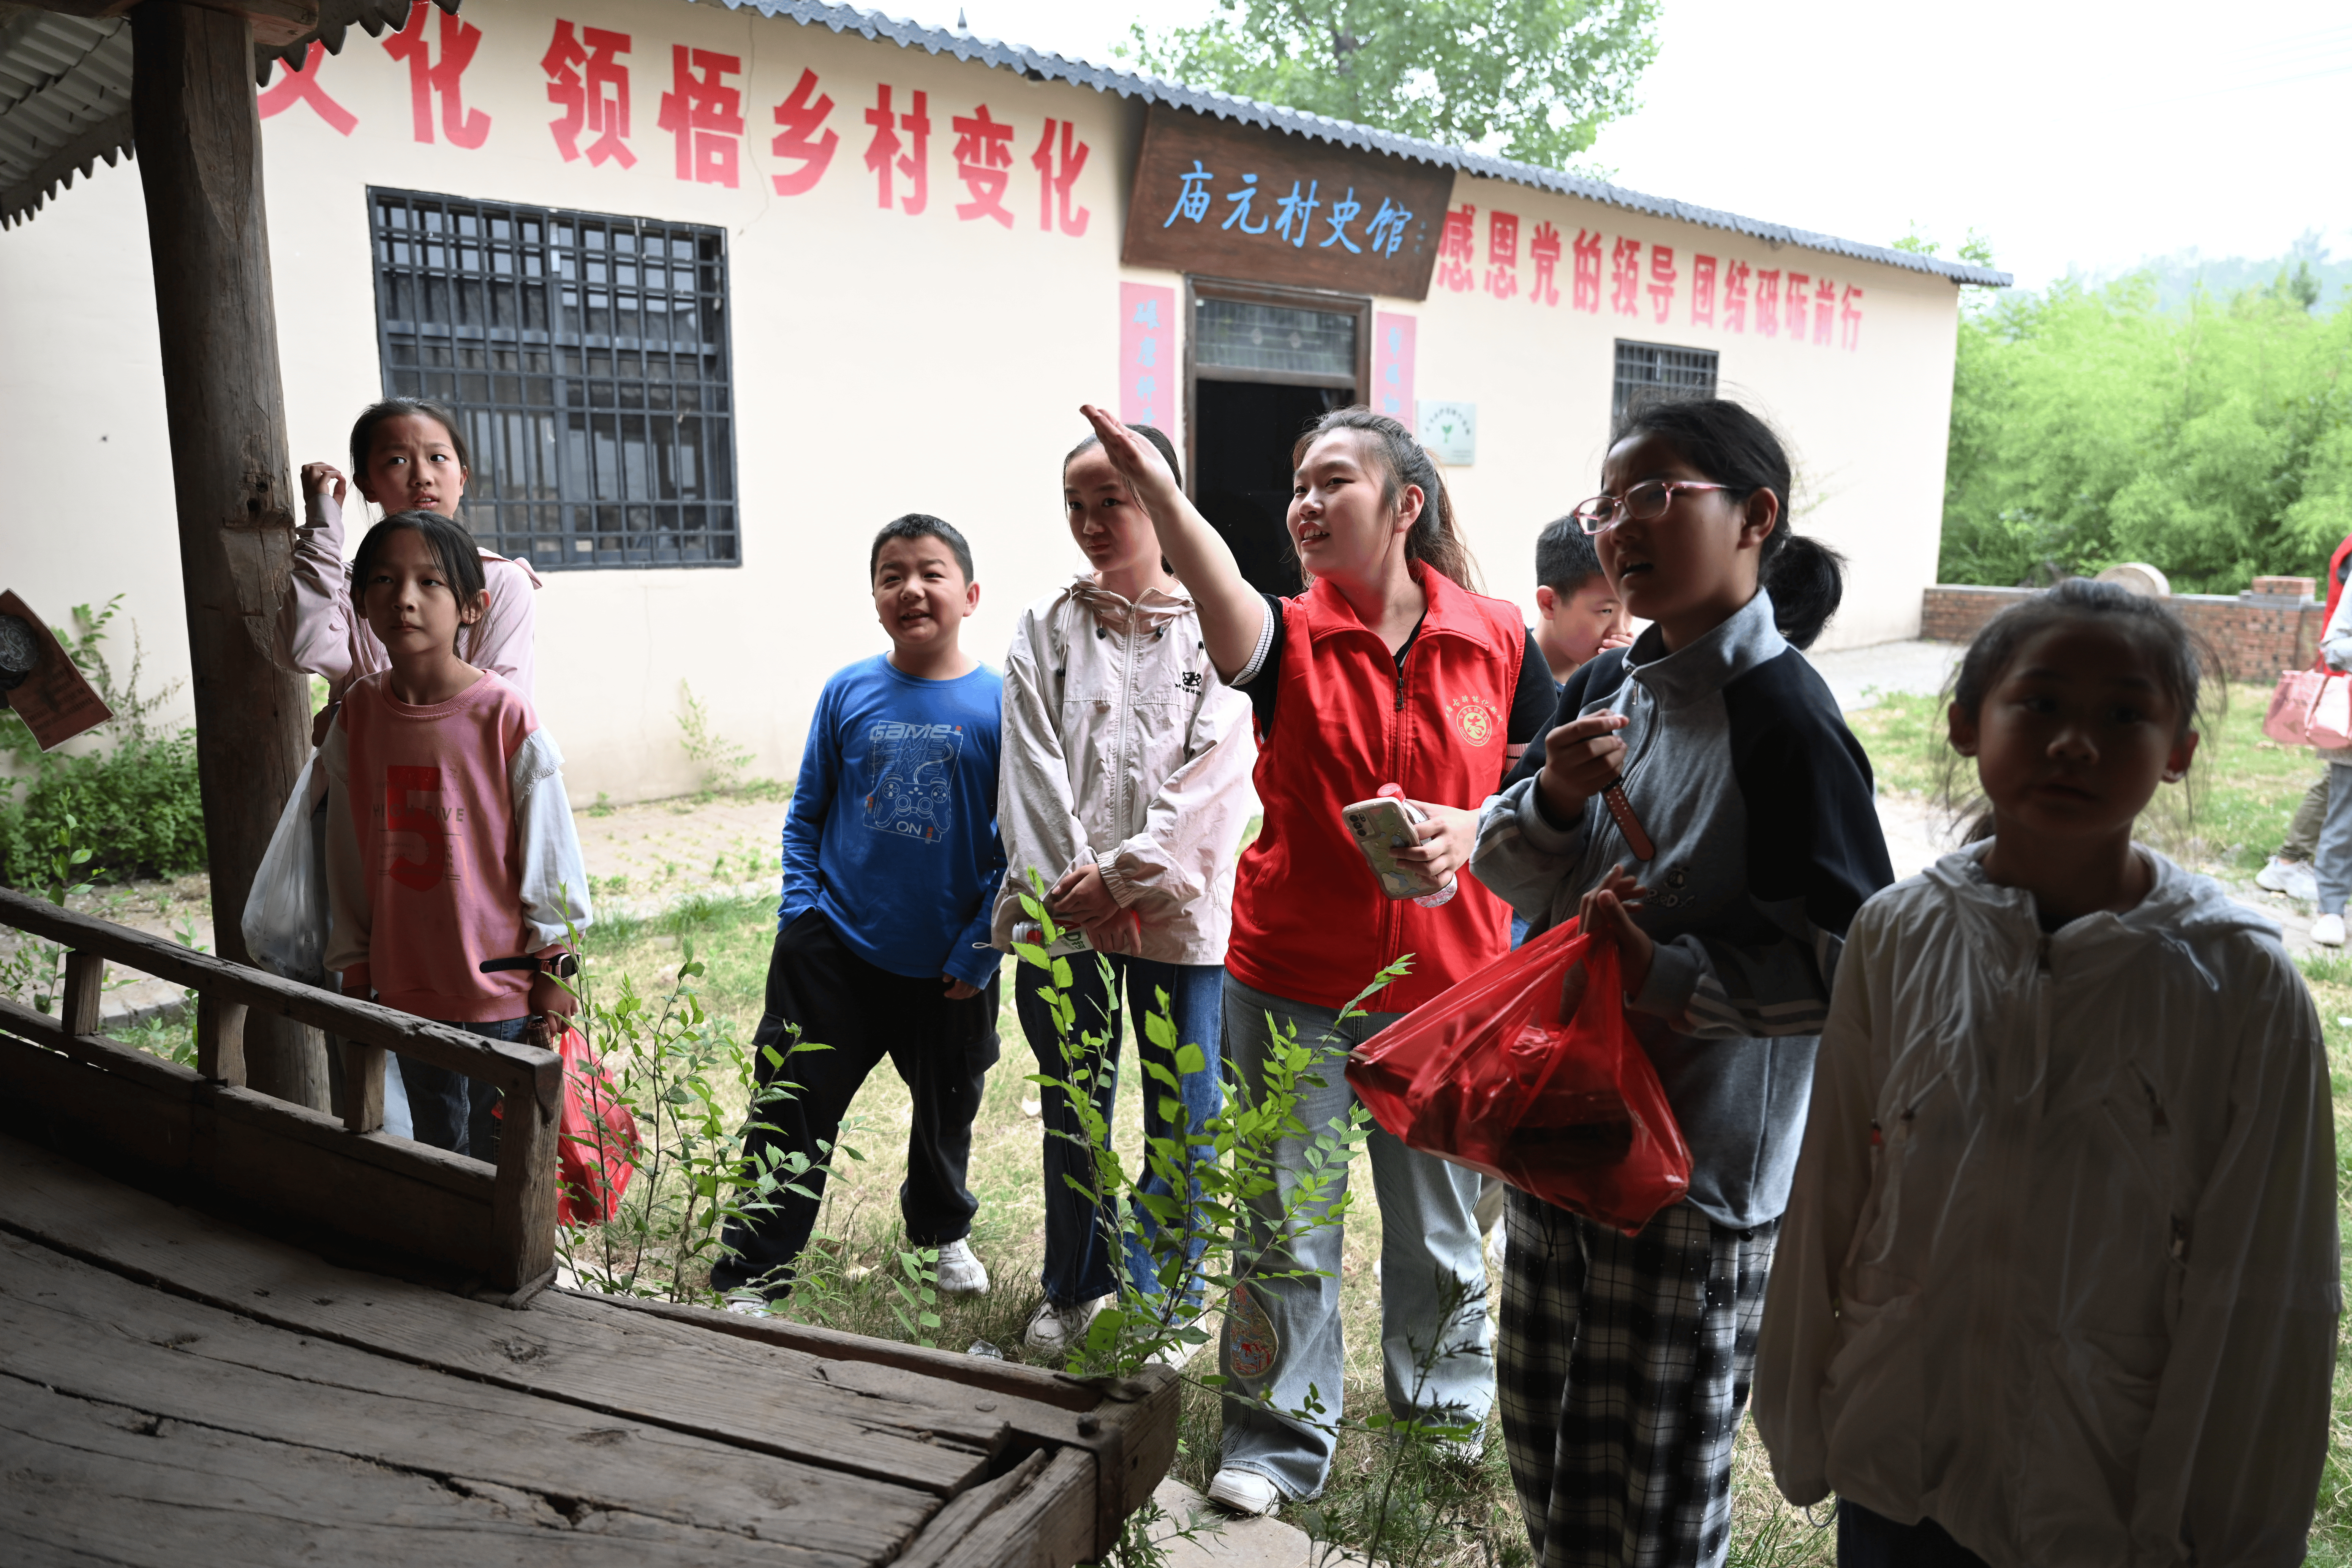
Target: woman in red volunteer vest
1386	670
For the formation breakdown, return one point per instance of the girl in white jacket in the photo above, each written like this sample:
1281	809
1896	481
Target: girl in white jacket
2058	1282
1125	785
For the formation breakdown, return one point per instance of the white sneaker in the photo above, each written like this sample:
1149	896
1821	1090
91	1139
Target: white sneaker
961	1274
1053	1327
1245	1492
2328	931
1464	1451
2295	878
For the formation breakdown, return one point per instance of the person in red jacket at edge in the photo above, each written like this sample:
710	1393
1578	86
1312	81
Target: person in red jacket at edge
1386	670
2290	871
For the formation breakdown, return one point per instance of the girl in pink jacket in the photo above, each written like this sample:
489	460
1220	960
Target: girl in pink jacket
1124	784
449	838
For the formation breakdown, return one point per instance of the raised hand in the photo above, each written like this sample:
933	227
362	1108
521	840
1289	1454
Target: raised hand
323	477
1138	462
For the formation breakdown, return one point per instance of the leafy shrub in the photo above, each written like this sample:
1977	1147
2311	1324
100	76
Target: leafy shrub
135	802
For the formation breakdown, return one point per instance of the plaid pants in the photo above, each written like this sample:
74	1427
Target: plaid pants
1623	1367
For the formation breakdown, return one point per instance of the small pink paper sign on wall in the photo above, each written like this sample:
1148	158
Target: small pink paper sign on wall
1392	367
1149	374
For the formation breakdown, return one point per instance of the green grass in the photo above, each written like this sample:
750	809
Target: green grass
2240	793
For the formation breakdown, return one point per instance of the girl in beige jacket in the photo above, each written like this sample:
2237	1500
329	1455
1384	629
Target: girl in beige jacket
1125	787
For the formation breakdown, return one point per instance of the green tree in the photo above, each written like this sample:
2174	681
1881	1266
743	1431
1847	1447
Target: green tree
2091	427
1535	79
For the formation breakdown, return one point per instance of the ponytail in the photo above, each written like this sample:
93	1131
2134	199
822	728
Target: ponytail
1435	537
1732	446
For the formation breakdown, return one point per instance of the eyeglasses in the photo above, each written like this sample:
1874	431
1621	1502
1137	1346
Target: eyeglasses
1644	503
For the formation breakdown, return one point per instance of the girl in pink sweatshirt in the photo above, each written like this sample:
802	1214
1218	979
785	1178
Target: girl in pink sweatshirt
449	838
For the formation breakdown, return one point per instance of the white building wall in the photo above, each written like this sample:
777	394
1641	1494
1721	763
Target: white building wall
883	364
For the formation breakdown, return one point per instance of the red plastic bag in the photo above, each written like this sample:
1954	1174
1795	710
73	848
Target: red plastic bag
597	1143
1489	1075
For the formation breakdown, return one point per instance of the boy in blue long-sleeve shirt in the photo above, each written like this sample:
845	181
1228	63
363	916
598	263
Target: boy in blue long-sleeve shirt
891	864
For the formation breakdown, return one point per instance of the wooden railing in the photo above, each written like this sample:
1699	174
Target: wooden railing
263	1155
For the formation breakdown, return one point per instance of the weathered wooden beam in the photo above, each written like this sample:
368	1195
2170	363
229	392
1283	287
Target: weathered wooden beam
199	140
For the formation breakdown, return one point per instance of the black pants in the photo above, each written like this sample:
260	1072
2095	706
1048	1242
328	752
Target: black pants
452	1112
1867	1540
942	1050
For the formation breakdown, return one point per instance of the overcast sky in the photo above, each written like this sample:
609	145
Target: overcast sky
2073	134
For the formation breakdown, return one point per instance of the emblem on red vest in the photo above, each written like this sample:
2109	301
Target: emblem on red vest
1478	722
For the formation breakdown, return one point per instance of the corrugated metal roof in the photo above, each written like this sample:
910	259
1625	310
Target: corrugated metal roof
64	103
64	91
1224	106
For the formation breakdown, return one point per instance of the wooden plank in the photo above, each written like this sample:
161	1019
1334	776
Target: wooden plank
518	1068
960	1513
1046	1521
522	1212
220	1039
91	1483
753	1397
79	1330
363	1086
65	1103
84	990
1130	1425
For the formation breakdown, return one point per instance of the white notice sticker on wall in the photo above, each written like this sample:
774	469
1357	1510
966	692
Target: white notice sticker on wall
1450	430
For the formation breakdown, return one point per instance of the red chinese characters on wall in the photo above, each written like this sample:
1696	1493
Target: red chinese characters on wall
705	113
1824	311
586	79
799	117
1543	249
1502	254
1626	279
1587	289
1850	317
1057	176
301	86
1703	291
1662	279
909	160
983	157
1457	250
1735	296
444	78
1767	302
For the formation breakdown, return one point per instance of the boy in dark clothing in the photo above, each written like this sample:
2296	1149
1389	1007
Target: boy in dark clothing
891	862
1580	611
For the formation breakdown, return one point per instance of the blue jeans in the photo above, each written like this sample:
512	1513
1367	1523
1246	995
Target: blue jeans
1282	1353
1080	1232
2333	865
450	1110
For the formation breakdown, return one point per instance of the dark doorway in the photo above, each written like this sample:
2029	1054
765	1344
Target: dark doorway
1246	430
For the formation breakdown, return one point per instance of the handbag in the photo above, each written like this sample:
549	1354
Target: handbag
2311	708
1529	1071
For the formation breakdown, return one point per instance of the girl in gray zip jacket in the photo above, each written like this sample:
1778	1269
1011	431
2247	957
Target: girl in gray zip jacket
1701	803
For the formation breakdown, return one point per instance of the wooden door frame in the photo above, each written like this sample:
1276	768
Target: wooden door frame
1329	302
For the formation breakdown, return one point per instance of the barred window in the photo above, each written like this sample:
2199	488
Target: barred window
587	355
1647	371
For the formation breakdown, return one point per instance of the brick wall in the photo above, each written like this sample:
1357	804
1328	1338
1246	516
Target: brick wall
2272	626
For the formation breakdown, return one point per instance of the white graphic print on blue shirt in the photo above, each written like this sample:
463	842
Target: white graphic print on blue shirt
910	790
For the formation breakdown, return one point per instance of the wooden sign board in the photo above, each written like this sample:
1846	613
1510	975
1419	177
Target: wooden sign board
1228	200
52	698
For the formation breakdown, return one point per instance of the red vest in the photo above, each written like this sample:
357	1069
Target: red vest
1310	922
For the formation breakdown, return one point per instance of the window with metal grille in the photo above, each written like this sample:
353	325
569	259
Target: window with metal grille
587	355
1648	371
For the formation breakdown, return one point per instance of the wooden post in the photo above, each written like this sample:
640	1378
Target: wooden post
84	992
220	1039
199	150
